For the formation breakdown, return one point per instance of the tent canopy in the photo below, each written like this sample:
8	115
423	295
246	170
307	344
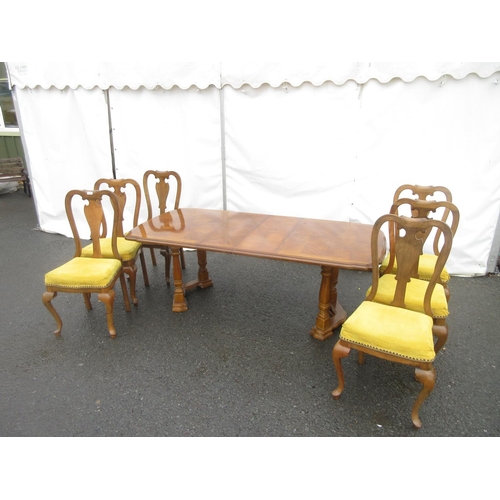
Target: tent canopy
202	75
326	140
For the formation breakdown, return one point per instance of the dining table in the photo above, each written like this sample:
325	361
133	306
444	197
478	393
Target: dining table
331	245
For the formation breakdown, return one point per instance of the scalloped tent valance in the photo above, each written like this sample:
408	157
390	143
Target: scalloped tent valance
201	75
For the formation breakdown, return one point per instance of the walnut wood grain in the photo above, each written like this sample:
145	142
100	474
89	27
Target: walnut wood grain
333	245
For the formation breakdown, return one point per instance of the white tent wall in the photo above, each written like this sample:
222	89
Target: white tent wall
446	133
66	138
245	139
340	152
66	133
290	151
170	130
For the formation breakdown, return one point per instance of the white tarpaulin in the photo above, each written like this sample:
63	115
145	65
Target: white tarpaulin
66	139
327	141
170	130
66	135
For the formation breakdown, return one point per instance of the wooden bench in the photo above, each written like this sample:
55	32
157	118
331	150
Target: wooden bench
12	170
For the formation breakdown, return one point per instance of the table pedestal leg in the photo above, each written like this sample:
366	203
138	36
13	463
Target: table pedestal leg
179	304
331	314
203	280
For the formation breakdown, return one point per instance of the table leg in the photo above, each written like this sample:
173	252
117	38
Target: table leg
179	304
203	280
331	314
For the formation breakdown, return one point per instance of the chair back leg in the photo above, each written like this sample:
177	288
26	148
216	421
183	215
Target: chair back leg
166	254
86	298
130	269
125	292
183	262
440	330
153	256
144	268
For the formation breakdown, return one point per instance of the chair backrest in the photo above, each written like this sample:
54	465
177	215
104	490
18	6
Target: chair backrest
410	235
423	208
119	186
423	193
95	217
162	188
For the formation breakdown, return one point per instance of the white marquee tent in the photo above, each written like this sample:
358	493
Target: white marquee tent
323	140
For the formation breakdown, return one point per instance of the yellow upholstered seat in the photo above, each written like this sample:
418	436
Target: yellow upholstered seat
397	322
379	327
127	249
84	272
414	298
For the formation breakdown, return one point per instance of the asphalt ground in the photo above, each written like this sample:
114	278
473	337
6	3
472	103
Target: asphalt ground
239	362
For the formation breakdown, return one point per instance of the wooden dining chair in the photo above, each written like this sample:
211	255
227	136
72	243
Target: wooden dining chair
445	211
421	274
164	191
129	250
392	331
93	273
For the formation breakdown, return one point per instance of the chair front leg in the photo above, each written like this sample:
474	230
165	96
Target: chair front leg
46	298
108	300
427	377
339	351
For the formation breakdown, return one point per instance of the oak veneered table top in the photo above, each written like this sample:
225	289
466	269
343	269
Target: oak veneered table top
339	244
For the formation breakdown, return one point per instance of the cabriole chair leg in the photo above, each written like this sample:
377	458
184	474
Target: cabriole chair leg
339	351
428	379
46	298
108	300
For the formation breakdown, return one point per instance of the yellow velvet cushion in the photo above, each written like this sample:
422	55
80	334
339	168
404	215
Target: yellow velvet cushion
82	272
127	249
414	297
426	265
390	329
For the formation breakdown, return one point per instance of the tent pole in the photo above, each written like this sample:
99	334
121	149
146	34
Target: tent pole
494	257
223	147
111	144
